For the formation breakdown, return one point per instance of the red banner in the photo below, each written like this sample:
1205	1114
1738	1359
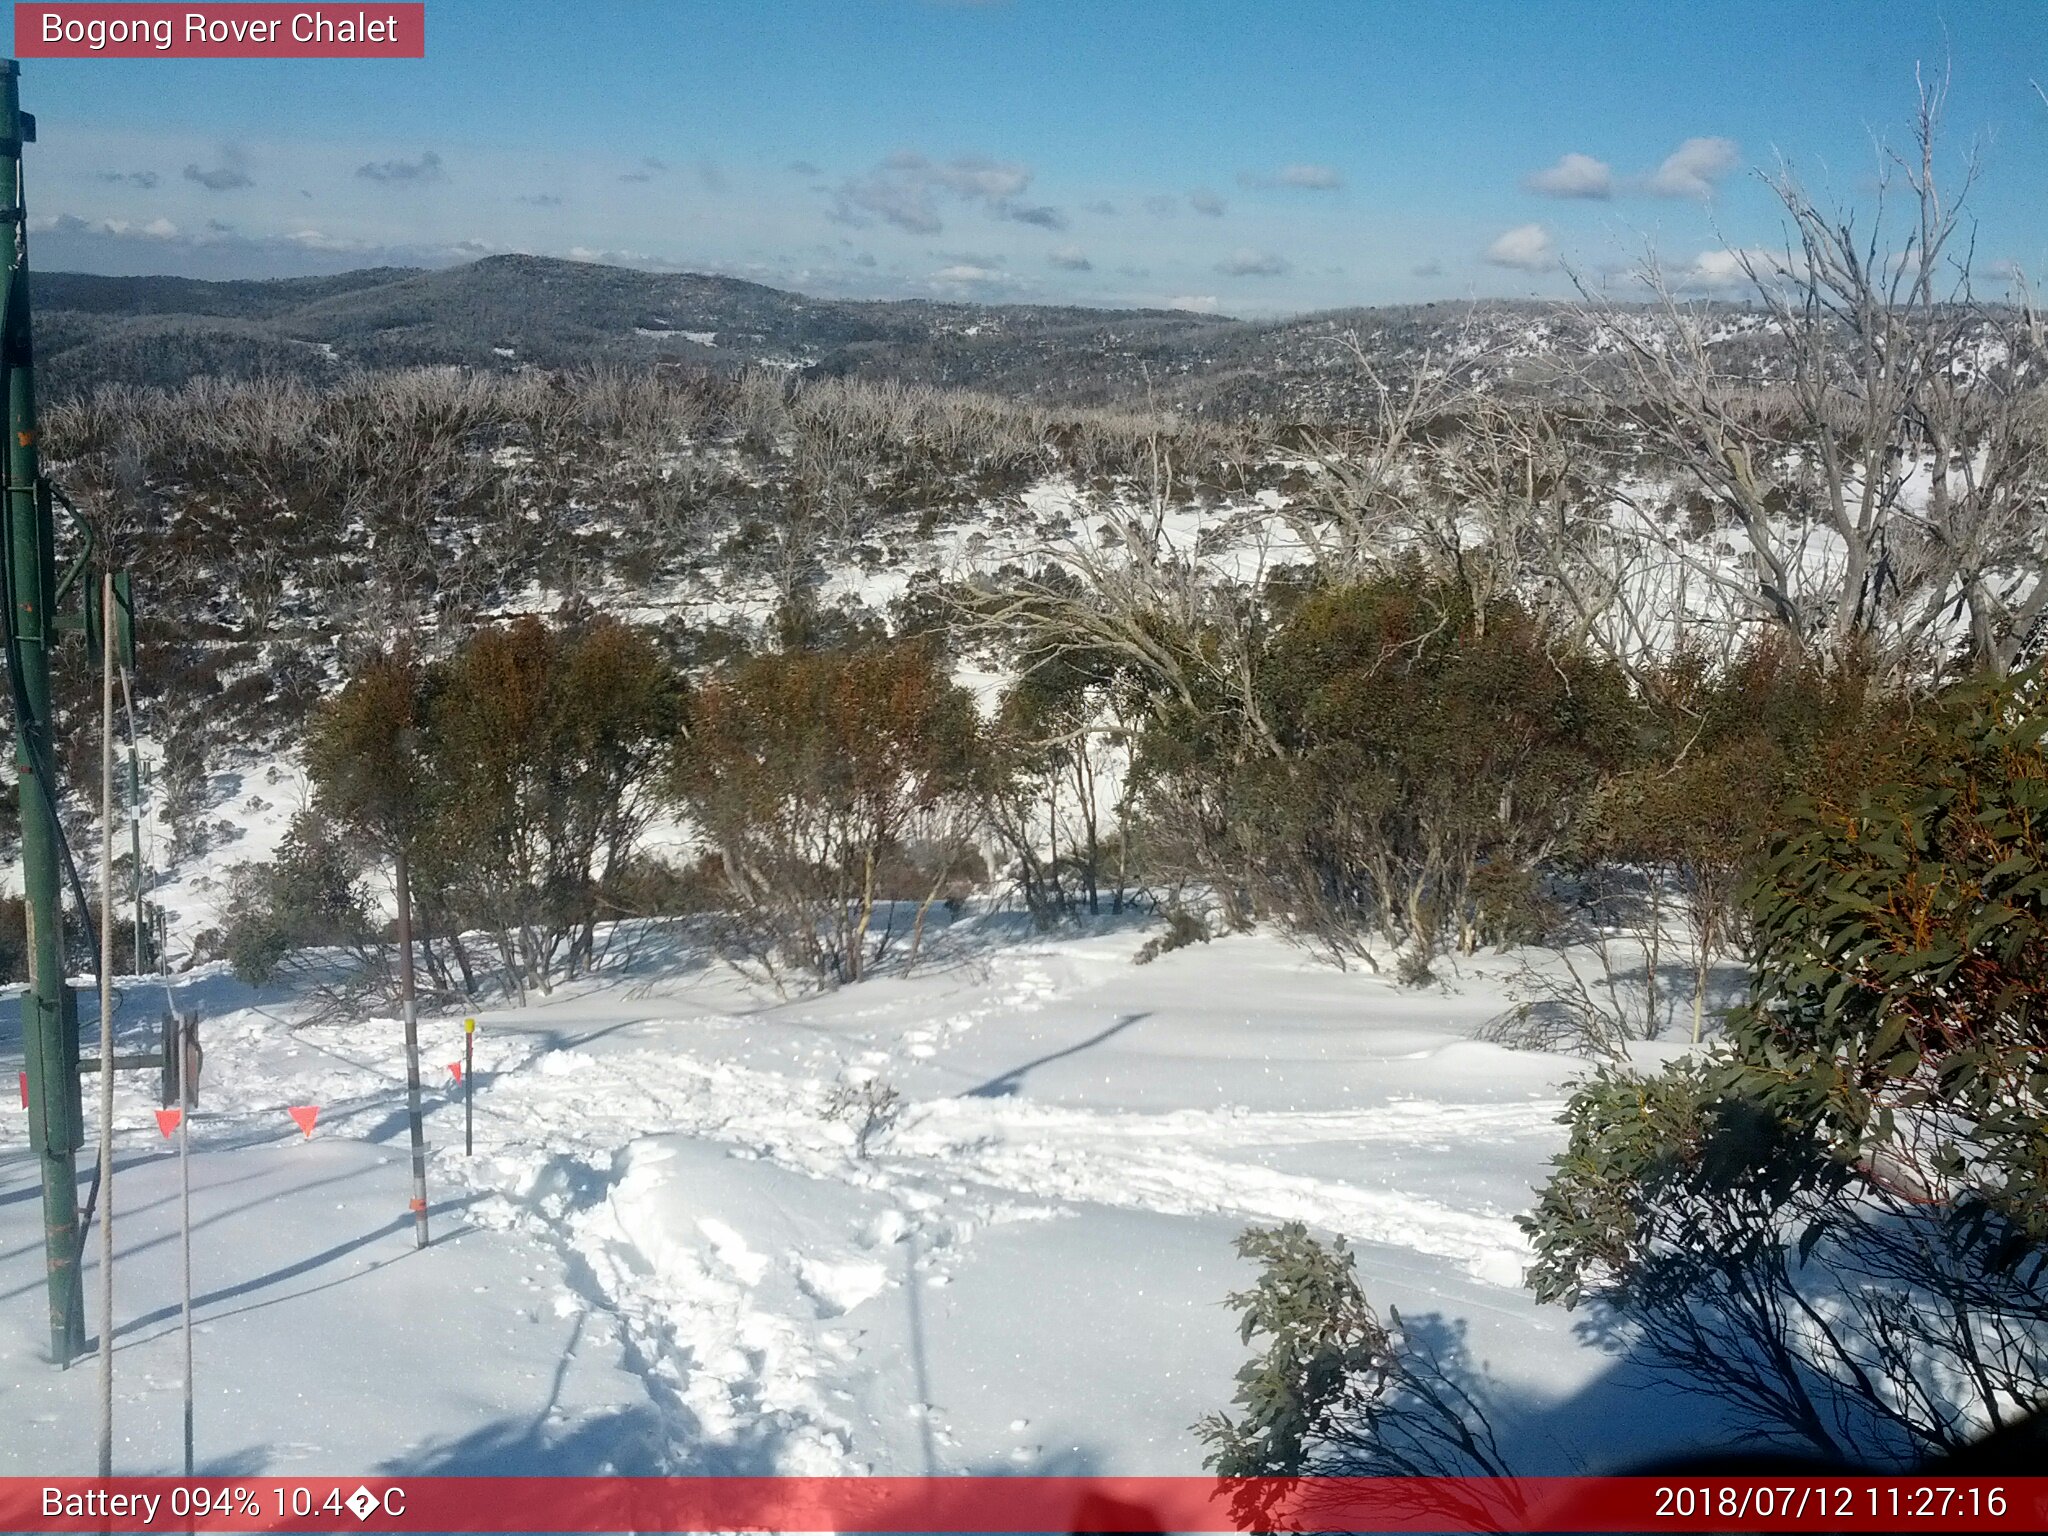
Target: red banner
233	31
1015	1504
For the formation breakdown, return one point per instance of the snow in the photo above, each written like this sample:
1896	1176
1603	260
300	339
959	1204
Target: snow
665	1256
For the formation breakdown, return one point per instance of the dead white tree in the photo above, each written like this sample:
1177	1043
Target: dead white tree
1873	437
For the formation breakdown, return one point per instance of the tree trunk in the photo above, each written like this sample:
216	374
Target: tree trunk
857	941
461	959
923	908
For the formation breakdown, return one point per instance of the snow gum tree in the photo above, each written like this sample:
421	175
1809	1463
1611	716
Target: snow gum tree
1879	464
805	769
365	753
1720	752
1059	735
546	749
1427	756
511	781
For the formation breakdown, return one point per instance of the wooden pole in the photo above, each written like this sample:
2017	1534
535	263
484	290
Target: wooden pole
410	1006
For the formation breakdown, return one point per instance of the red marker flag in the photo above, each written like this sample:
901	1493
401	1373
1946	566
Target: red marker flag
167	1120
303	1115
456	1068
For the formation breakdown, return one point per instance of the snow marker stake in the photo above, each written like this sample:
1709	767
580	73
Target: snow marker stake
467	1078
167	1121
303	1116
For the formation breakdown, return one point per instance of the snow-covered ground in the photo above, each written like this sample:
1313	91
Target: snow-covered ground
664	1255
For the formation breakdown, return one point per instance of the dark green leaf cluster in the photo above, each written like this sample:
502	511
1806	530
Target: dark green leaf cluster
1332	1390
1326	1347
1901	1000
1834	1221
310	896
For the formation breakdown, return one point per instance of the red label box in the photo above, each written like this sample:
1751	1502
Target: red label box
366	29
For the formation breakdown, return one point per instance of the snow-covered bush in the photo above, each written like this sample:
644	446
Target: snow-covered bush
868	1107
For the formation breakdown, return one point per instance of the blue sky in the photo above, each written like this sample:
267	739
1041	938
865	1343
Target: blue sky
1252	158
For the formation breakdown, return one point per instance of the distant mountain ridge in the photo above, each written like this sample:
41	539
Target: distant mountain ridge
527	311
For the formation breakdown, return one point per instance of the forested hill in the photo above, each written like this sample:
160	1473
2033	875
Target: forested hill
510	312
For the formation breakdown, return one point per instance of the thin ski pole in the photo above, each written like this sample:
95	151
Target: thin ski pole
185	1211
107	1024
181	1037
469	1087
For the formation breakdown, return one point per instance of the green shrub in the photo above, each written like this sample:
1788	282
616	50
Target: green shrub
1835	1221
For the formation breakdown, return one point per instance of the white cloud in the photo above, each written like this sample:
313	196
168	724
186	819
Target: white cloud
1718	269
1203	201
1692	169
1197	303
895	200
904	191
1070	258
965	272
220	242
1309	178
319	240
1246	262
1574	175
972	177
1316	178
115	229
230	175
1044	218
1526	248
1725	271
426	168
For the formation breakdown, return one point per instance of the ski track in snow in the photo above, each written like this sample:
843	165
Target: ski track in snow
738	1348
721	1355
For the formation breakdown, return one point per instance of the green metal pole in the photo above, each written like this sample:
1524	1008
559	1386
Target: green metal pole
49	1013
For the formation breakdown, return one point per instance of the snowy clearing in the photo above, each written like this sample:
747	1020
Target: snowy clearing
665	1257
